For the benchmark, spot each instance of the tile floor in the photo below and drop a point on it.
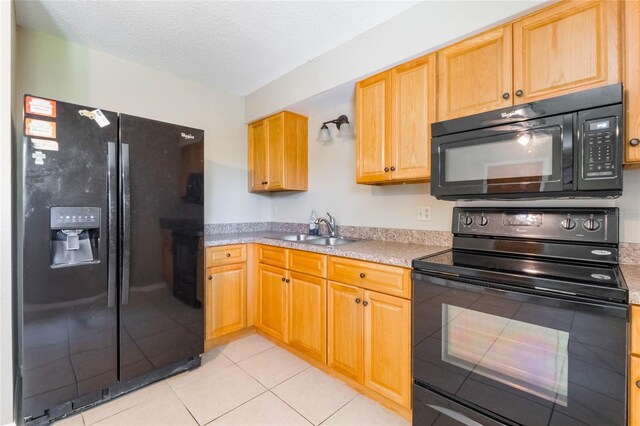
(249, 381)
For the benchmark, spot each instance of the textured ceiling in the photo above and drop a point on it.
(238, 46)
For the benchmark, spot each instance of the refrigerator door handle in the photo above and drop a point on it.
(112, 225)
(126, 223)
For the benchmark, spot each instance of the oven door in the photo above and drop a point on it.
(515, 160)
(530, 359)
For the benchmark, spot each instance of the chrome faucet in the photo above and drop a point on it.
(331, 224)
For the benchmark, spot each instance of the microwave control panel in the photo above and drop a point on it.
(600, 148)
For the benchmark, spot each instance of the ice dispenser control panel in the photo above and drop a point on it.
(75, 217)
(75, 236)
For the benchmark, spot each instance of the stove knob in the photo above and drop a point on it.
(483, 221)
(568, 224)
(466, 220)
(591, 224)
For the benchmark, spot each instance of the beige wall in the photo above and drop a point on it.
(420, 29)
(7, 30)
(332, 184)
(66, 71)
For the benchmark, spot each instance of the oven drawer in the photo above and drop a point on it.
(430, 409)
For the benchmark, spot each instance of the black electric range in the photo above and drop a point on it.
(523, 322)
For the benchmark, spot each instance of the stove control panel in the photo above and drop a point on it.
(577, 224)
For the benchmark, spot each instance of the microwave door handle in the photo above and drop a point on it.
(126, 223)
(571, 152)
(112, 224)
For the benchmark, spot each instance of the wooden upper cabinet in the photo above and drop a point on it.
(373, 118)
(278, 153)
(475, 75)
(413, 103)
(632, 81)
(275, 151)
(574, 45)
(257, 156)
(394, 112)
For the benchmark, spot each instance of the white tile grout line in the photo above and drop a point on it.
(235, 408)
(345, 404)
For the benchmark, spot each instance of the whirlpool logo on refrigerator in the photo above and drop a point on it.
(187, 136)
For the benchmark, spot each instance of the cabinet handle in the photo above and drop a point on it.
(393, 168)
(228, 254)
(638, 383)
(210, 277)
(519, 93)
(505, 95)
(288, 281)
(386, 169)
(283, 279)
(634, 142)
(365, 303)
(362, 275)
(358, 300)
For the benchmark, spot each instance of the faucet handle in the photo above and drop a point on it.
(331, 218)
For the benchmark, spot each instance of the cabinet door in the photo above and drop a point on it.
(632, 80)
(272, 301)
(373, 119)
(275, 147)
(226, 299)
(345, 349)
(475, 75)
(387, 346)
(413, 103)
(572, 46)
(307, 308)
(257, 156)
(634, 390)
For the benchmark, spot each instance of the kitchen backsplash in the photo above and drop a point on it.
(629, 252)
(415, 236)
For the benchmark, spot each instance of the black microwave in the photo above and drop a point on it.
(564, 147)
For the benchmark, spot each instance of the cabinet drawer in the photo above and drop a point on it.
(275, 256)
(308, 263)
(635, 329)
(373, 276)
(226, 255)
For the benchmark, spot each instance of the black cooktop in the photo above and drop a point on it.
(591, 280)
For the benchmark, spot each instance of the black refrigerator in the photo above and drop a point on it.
(111, 293)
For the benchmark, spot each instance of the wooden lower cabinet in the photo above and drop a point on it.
(387, 346)
(307, 310)
(273, 301)
(370, 340)
(345, 330)
(225, 300)
(634, 390)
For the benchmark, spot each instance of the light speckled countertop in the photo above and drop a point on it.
(631, 275)
(387, 252)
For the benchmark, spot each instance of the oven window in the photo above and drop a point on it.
(526, 156)
(529, 357)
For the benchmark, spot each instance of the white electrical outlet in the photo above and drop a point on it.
(424, 213)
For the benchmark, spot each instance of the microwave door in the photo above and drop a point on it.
(519, 160)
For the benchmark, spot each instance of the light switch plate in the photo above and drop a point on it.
(424, 213)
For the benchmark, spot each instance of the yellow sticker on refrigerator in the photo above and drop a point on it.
(40, 128)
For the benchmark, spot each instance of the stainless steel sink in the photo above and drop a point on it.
(298, 237)
(331, 241)
(314, 239)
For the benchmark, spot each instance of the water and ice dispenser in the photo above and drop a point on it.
(75, 236)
